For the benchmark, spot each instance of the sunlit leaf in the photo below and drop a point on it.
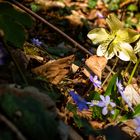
(96, 64)
(55, 71)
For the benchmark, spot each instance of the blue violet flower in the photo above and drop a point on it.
(36, 42)
(121, 91)
(80, 102)
(106, 104)
(95, 81)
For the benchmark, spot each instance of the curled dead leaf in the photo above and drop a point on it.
(96, 64)
(55, 71)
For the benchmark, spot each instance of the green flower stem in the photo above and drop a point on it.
(133, 71)
(116, 61)
(127, 68)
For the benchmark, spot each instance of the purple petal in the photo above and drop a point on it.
(107, 100)
(104, 111)
(97, 84)
(36, 42)
(82, 106)
(80, 102)
(90, 103)
(102, 98)
(91, 78)
(99, 15)
(138, 129)
(137, 120)
(112, 104)
(126, 100)
(95, 78)
(119, 85)
(101, 104)
(113, 112)
(95, 81)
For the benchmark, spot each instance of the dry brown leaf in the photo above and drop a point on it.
(96, 64)
(96, 124)
(86, 72)
(74, 68)
(56, 70)
(129, 127)
(91, 137)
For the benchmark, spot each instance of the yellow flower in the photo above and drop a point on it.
(116, 41)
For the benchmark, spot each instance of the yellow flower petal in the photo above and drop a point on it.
(102, 51)
(98, 35)
(114, 23)
(127, 35)
(125, 52)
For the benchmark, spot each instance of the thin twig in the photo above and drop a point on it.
(76, 44)
(12, 127)
(52, 26)
(117, 59)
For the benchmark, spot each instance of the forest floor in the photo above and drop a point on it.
(62, 63)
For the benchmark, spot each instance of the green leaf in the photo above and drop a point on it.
(93, 95)
(78, 121)
(115, 115)
(13, 32)
(111, 85)
(87, 129)
(97, 113)
(71, 108)
(29, 116)
(35, 7)
(16, 15)
(92, 3)
(132, 7)
(137, 111)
